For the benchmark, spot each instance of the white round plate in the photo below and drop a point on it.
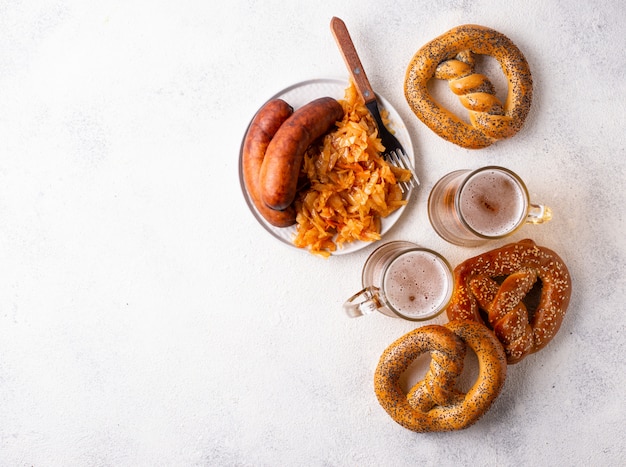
(300, 94)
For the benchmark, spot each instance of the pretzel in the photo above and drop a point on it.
(434, 404)
(477, 292)
(450, 57)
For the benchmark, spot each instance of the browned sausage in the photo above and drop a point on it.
(262, 129)
(283, 159)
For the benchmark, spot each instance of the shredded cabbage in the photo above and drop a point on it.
(350, 186)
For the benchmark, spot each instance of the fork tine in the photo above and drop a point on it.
(393, 158)
(399, 158)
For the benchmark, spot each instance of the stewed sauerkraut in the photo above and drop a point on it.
(351, 186)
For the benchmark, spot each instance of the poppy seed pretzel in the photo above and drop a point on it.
(434, 404)
(522, 263)
(450, 57)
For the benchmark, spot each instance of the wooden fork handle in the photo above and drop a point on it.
(348, 52)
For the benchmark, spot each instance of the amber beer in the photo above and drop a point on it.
(416, 284)
(468, 208)
(403, 280)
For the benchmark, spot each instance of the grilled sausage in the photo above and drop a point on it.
(262, 129)
(283, 159)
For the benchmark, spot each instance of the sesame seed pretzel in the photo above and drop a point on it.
(523, 263)
(434, 404)
(450, 57)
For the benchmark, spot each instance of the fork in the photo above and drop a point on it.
(394, 152)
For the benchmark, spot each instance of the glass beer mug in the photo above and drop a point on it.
(468, 208)
(402, 280)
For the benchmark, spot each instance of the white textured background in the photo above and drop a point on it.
(146, 319)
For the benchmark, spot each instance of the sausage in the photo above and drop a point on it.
(283, 159)
(262, 129)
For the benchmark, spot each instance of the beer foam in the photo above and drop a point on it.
(417, 283)
(493, 203)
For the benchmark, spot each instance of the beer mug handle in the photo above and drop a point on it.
(362, 303)
(538, 214)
